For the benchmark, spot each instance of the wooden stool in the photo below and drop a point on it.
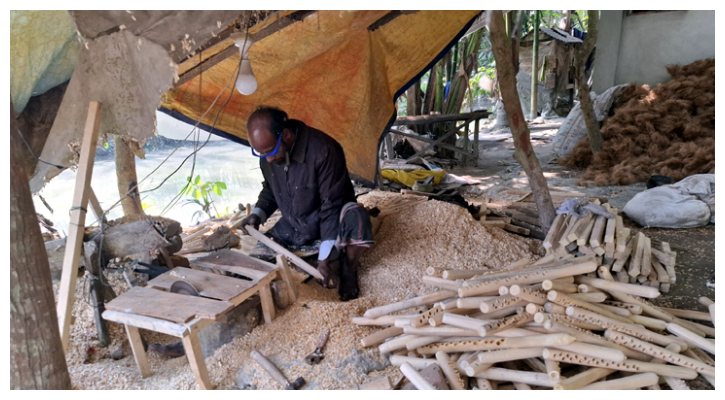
(155, 309)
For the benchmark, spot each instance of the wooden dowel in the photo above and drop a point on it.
(453, 274)
(463, 321)
(496, 356)
(553, 369)
(559, 286)
(508, 375)
(449, 371)
(529, 277)
(622, 312)
(474, 367)
(396, 344)
(415, 377)
(440, 331)
(484, 384)
(705, 301)
(626, 365)
(569, 301)
(583, 379)
(557, 339)
(656, 312)
(555, 227)
(472, 302)
(632, 308)
(385, 320)
(635, 290)
(699, 315)
(586, 336)
(659, 352)
(627, 383)
(416, 342)
(405, 304)
(440, 282)
(425, 317)
(649, 323)
(553, 308)
(692, 338)
(434, 271)
(500, 303)
(380, 336)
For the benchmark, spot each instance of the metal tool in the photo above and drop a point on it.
(275, 373)
(317, 355)
(183, 288)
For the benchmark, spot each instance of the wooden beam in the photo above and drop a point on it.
(76, 229)
(428, 119)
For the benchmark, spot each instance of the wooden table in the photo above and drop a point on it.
(156, 309)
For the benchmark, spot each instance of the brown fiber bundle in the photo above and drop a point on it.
(669, 130)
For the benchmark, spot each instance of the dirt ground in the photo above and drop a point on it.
(318, 309)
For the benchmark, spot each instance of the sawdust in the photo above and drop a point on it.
(430, 233)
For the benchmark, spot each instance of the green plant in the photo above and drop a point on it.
(201, 193)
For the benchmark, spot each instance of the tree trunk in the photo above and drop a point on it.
(524, 153)
(429, 93)
(36, 352)
(535, 68)
(516, 40)
(126, 176)
(580, 59)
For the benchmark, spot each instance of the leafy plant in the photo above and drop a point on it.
(201, 193)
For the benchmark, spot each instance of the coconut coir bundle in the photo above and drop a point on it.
(669, 130)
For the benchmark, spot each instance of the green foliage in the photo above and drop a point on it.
(201, 193)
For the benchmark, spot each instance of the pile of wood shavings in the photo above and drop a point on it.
(428, 234)
(432, 234)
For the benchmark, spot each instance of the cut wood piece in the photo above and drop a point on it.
(268, 310)
(493, 224)
(662, 275)
(586, 232)
(610, 230)
(626, 365)
(278, 248)
(74, 242)
(555, 226)
(192, 348)
(667, 259)
(595, 239)
(139, 354)
(579, 228)
(208, 285)
(440, 282)
(622, 234)
(517, 229)
(646, 268)
(508, 375)
(172, 307)
(692, 338)
(563, 241)
(657, 312)
(453, 274)
(635, 265)
(284, 271)
(250, 273)
(450, 372)
(505, 220)
(622, 257)
(609, 251)
(543, 340)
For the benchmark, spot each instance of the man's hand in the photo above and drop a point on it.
(328, 269)
(251, 219)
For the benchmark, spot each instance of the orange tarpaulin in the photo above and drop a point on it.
(330, 71)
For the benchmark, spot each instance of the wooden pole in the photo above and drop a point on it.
(580, 58)
(524, 153)
(126, 177)
(535, 68)
(76, 229)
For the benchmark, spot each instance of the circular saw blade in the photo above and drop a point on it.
(182, 287)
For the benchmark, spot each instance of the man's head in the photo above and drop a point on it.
(267, 129)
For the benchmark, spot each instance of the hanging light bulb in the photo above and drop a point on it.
(246, 82)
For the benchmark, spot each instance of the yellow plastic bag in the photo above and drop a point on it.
(408, 178)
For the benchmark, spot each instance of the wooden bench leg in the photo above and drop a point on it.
(286, 276)
(196, 360)
(265, 294)
(139, 354)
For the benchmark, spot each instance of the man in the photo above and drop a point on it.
(306, 178)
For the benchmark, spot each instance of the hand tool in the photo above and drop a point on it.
(317, 355)
(275, 373)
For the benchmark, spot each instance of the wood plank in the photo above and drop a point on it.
(235, 257)
(174, 307)
(517, 229)
(493, 224)
(279, 249)
(192, 348)
(621, 233)
(148, 323)
(570, 226)
(243, 271)
(76, 229)
(583, 236)
(139, 354)
(662, 275)
(622, 257)
(209, 285)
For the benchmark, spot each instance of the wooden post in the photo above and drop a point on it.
(524, 153)
(535, 68)
(127, 181)
(76, 229)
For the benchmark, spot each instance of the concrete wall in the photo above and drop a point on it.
(636, 48)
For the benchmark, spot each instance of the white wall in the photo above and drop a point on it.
(636, 48)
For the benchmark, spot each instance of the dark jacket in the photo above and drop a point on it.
(310, 193)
